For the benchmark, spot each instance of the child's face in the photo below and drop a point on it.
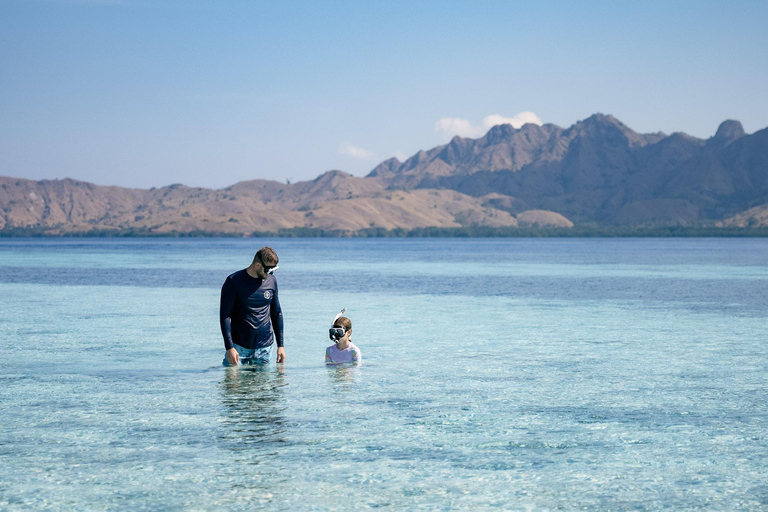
(345, 339)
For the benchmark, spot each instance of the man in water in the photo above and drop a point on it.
(250, 312)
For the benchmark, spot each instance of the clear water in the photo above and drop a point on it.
(518, 374)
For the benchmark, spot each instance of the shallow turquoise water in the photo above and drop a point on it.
(518, 374)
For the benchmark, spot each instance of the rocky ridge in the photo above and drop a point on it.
(597, 171)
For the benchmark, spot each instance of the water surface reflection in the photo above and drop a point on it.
(253, 426)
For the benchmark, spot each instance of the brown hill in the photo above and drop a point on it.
(752, 218)
(597, 171)
(600, 171)
(335, 201)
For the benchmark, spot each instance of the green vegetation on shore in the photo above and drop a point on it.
(580, 231)
(584, 231)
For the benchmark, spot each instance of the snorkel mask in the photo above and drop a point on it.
(336, 333)
(269, 270)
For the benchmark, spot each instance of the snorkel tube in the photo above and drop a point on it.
(341, 313)
(336, 333)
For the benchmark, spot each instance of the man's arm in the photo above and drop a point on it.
(226, 306)
(276, 315)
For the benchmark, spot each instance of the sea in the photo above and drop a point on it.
(509, 374)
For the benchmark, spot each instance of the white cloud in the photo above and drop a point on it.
(517, 121)
(349, 150)
(400, 155)
(454, 126)
(451, 126)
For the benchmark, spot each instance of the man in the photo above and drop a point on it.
(250, 312)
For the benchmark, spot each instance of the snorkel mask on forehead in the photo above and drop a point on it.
(336, 333)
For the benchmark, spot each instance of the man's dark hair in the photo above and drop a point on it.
(266, 256)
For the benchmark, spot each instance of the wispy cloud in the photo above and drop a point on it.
(451, 126)
(348, 149)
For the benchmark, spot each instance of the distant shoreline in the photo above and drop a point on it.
(427, 232)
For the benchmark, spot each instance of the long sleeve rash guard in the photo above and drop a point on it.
(250, 311)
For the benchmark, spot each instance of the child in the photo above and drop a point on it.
(344, 351)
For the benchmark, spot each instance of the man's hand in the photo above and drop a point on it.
(233, 357)
(280, 354)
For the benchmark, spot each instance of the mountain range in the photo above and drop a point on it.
(596, 172)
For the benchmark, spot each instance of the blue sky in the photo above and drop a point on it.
(147, 93)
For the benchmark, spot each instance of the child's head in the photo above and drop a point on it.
(346, 324)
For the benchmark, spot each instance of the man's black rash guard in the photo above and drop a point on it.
(250, 311)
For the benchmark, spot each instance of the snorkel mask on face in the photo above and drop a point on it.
(269, 270)
(336, 333)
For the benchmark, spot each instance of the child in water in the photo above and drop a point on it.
(343, 351)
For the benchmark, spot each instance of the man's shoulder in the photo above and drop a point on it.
(234, 280)
(235, 276)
